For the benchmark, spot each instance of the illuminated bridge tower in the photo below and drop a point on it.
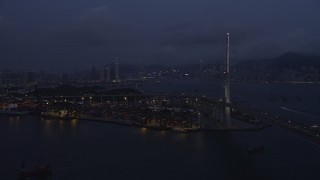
(227, 83)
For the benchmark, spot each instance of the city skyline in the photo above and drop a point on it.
(180, 89)
(63, 36)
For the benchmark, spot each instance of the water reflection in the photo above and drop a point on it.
(53, 124)
(143, 131)
(163, 133)
(180, 137)
(199, 146)
(15, 120)
(48, 127)
(61, 125)
(74, 123)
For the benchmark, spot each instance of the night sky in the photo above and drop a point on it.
(64, 35)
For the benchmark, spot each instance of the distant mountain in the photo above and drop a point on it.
(288, 67)
(289, 60)
(158, 68)
(127, 68)
(293, 60)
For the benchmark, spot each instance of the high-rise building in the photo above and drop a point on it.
(9, 78)
(102, 74)
(201, 65)
(108, 73)
(116, 71)
(105, 75)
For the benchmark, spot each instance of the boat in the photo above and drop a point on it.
(255, 150)
(33, 172)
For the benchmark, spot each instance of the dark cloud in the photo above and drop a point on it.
(94, 28)
(96, 13)
(188, 36)
(67, 35)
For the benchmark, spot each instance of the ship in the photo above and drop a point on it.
(34, 171)
(255, 150)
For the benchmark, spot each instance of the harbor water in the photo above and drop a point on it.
(78, 149)
(93, 150)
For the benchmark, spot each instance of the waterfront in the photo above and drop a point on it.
(92, 150)
(299, 102)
